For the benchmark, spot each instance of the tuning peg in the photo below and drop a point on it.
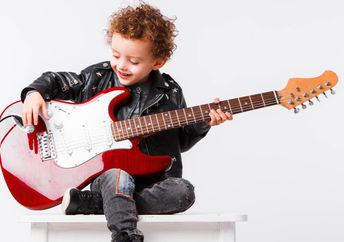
(296, 110)
(310, 102)
(325, 94)
(332, 91)
(317, 98)
(303, 106)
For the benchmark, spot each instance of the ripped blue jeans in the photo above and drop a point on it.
(122, 204)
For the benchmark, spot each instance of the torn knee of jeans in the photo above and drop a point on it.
(125, 184)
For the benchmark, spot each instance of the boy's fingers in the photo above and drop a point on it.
(216, 100)
(229, 116)
(216, 116)
(24, 118)
(29, 118)
(211, 121)
(35, 115)
(45, 111)
(222, 114)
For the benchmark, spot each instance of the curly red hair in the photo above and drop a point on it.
(145, 22)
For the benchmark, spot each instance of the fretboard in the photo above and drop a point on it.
(135, 127)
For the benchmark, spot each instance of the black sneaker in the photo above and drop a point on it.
(124, 237)
(136, 238)
(82, 202)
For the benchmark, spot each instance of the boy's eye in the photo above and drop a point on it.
(134, 62)
(116, 56)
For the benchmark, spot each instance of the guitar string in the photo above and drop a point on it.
(95, 140)
(176, 121)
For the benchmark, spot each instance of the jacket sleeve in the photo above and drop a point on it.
(57, 85)
(189, 135)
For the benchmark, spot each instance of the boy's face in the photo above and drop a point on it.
(132, 59)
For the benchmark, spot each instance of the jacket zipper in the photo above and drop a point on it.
(74, 81)
(65, 86)
(155, 102)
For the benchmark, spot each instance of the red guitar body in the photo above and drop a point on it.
(40, 184)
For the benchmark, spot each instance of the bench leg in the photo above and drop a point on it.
(226, 232)
(39, 232)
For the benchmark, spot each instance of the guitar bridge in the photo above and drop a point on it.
(46, 146)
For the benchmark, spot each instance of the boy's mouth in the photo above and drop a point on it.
(123, 75)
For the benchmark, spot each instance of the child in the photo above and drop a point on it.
(142, 41)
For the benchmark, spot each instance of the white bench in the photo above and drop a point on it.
(156, 228)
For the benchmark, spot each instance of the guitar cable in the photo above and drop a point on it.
(19, 122)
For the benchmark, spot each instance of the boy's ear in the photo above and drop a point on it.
(160, 62)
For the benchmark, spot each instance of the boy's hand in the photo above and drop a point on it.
(33, 103)
(218, 117)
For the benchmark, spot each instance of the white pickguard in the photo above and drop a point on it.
(82, 131)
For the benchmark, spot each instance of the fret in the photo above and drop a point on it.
(205, 111)
(251, 102)
(174, 118)
(140, 126)
(244, 101)
(200, 111)
(186, 118)
(144, 118)
(150, 117)
(257, 101)
(154, 123)
(276, 98)
(193, 114)
(269, 98)
(124, 129)
(133, 127)
(137, 132)
(181, 116)
(128, 121)
(240, 105)
(189, 115)
(121, 129)
(166, 120)
(163, 119)
(262, 99)
(177, 117)
(236, 108)
(169, 114)
(157, 121)
(229, 105)
(127, 125)
(117, 129)
(114, 134)
(200, 107)
(223, 106)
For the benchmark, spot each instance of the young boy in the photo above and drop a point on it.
(142, 41)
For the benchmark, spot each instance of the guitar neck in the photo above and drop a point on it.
(135, 127)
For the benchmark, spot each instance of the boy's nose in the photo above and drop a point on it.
(122, 65)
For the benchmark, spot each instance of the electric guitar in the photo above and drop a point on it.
(40, 162)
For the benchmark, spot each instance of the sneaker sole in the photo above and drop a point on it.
(66, 200)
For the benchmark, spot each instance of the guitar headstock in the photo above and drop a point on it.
(300, 90)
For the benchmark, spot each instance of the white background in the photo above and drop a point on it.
(284, 170)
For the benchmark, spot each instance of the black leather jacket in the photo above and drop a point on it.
(160, 94)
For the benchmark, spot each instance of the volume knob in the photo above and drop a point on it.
(58, 124)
